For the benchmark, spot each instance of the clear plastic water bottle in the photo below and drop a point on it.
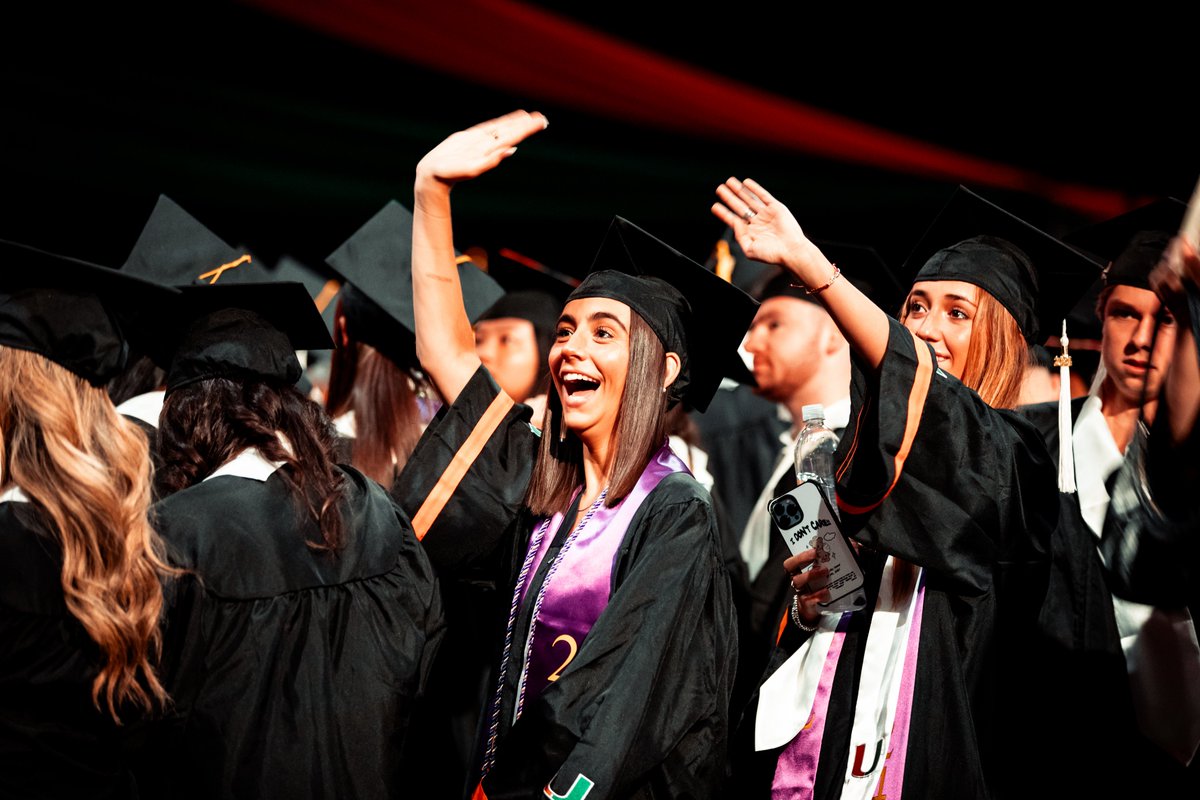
(815, 447)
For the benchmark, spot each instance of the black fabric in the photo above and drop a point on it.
(694, 313)
(377, 261)
(233, 343)
(995, 265)
(1132, 267)
(75, 313)
(975, 507)
(642, 710)
(294, 672)
(176, 249)
(53, 741)
(740, 432)
(1083, 663)
(1034, 275)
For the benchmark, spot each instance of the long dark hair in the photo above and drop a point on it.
(206, 423)
(387, 416)
(641, 429)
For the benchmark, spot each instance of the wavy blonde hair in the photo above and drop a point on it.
(87, 470)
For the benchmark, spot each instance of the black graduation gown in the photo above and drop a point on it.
(53, 740)
(769, 599)
(1085, 683)
(971, 499)
(642, 710)
(294, 672)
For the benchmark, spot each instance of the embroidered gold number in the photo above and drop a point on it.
(570, 640)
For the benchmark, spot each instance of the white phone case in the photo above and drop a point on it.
(804, 519)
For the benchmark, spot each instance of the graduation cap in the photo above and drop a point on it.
(243, 330)
(176, 249)
(322, 285)
(860, 264)
(377, 298)
(1131, 245)
(1033, 274)
(694, 313)
(72, 312)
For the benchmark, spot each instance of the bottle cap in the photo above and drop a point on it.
(813, 411)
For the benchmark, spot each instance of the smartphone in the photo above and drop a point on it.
(806, 522)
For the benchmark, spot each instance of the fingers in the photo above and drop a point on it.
(511, 128)
(811, 580)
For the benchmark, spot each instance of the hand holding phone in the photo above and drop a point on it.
(805, 521)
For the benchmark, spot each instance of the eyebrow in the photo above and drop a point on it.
(924, 294)
(595, 315)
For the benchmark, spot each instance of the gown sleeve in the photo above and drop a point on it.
(646, 700)
(967, 486)
(464, 484)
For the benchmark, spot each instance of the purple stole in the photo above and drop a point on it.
(796, 768)
(579, 580)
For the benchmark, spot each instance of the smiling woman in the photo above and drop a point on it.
(617, 661)
(952, 499)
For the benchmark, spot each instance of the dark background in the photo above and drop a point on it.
(286, 139)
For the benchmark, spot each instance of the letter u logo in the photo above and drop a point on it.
(859, 752)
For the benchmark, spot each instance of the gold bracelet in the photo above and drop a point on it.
(837, 273)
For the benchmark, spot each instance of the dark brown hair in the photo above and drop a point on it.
(641, 428)
(206, 423)
(387, 418)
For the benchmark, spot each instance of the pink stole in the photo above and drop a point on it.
(796, 766)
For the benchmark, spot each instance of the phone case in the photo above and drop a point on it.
(804, 519)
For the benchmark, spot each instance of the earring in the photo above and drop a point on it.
(562, 433)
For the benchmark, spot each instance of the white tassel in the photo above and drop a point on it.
(1066, 452)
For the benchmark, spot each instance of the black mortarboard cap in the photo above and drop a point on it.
(244, 330)
(176, 249)
(72, 312)
(376, 264)
(695, 313)
(1132, 243)
(1130, 246)
(1034, 275)
(323, 285)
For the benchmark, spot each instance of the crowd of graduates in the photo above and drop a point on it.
(425, 529)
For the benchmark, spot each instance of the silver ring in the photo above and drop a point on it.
(748, 215)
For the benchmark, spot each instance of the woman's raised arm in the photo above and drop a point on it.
(445, 340)
(767, 232)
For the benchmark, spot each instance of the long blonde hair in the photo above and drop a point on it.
(997, 355)
(87, 470)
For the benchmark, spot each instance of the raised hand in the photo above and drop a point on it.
(472, 152)
(767, 231)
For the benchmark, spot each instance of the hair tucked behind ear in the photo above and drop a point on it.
(87, 471)
(207, 423)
